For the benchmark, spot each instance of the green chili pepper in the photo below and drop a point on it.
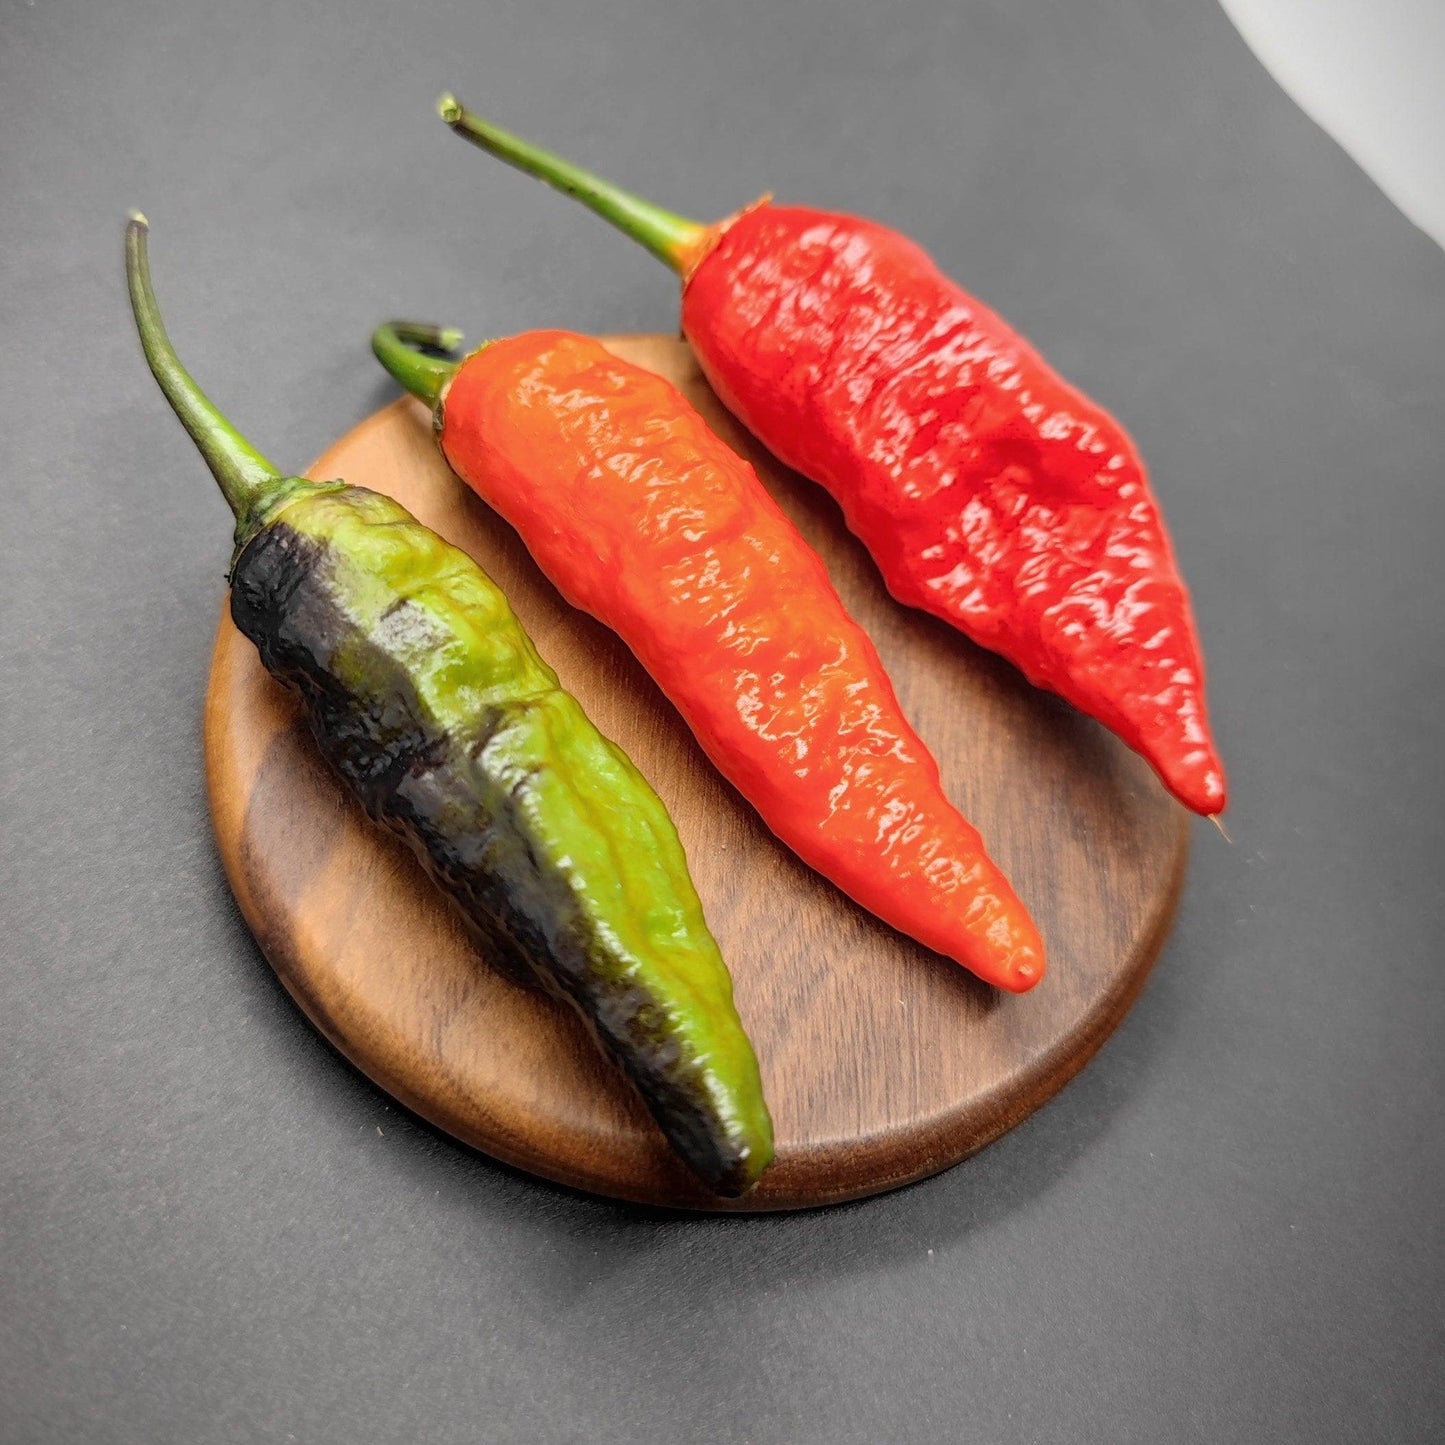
(428, 698)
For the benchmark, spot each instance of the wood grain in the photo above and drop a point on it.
(882, 1062)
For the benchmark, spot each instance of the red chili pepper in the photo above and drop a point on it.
(644, 518)
(990, 492)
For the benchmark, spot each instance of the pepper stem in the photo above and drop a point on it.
(671, 238)
(395, 344)
(250, 482)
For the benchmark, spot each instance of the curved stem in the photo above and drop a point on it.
(250, 482)
(395, 343)
(670, 237)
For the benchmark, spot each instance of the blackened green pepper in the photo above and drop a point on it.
(428, 698)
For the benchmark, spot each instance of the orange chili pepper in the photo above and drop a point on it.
(645, 519)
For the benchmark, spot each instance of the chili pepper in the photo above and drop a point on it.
(990, 492)
(426, 696)
(644, 518)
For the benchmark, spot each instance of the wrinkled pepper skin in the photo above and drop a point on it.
(426, 696)
(644, 518)
(989, 491)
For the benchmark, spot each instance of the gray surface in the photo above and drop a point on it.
(1229, 1228)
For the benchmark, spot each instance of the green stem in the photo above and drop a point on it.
(250, 482)
(395, 346)
(668, 236)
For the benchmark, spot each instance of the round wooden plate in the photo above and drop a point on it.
(882, 1061)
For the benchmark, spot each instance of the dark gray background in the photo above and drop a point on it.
(1229, 1228)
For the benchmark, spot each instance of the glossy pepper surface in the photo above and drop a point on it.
(644, 518)
(990, 492)
(426, 696)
